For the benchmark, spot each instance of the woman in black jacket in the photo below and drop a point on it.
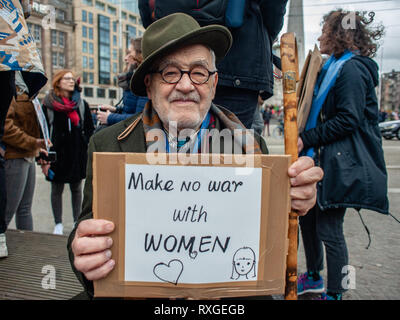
(70, 125)
(343, 136)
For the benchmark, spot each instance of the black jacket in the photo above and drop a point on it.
(248, 64)
(348, 141)
(70, 143)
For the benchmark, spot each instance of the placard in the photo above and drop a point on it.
(193, 231)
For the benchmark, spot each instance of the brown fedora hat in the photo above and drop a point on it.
(170, 32)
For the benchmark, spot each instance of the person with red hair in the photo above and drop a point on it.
(70, 125)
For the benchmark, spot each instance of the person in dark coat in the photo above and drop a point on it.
(343, 136)
(70, 125)
(131, 103)
(247, 68)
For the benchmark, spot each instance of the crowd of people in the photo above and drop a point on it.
(185, 71)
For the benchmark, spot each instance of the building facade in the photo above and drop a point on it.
(102, 33)
(51, 24)
(89, 37)
(390, 91)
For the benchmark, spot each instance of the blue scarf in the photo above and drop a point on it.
(326, 80)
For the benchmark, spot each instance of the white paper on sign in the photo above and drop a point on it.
(192, 225)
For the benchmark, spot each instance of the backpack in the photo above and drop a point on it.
(204, 11)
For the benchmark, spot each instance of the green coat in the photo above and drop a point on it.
(106, 140)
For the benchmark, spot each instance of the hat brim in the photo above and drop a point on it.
(216, 37)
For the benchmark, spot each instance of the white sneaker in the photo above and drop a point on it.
(3, 246)
(58, 229)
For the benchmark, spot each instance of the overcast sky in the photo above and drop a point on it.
(387, 12)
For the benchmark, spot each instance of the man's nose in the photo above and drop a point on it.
(185, 84)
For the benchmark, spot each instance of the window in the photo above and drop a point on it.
(104, 49)
(84, 16)
(111, 10)
(61, 14)
(115, 26)
(115, 54)
(90, 33)
(101, 93)
(115, 67)
(91, 49)
(112, 94)
(114, 41)
(85, 77)
(132, 19)
(91, 63)
(54, 38)
(90, 17)
(84, 32)
(84, 62)
(88, 92)
(84, 47)
(54, 59)
(100, 5)
(91, 77)
(36, 32)
(131, 34)
(61, 60)
(61, 39)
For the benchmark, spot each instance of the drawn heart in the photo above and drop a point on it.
(169, 272)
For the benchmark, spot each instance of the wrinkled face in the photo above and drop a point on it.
(184, 102)
(67, 82)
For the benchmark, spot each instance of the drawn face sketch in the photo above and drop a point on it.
(243, 262)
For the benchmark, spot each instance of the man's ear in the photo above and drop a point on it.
(215, 84)
(147, 82)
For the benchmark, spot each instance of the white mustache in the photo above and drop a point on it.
(192, 96)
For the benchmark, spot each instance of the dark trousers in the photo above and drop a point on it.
(242, 102)
(7, 85)
(56, 200)
(325, 227)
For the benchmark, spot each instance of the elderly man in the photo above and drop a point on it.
(178, 75)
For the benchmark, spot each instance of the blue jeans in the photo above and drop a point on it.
(325, 227)
(242, 102)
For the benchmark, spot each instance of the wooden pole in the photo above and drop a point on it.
(290, 71)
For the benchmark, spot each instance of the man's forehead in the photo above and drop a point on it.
(188, 55)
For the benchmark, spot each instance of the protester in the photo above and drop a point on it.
(70, 125)
(267, 115)
(247, 68)
(342, 135)
(131, 103)
(15, 55)
(178, 74)
(23, 143)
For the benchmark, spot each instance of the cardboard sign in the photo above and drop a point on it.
(193, 231)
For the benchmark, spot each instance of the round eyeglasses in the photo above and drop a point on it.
(172, 74)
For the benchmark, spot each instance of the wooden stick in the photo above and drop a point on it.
(290, 70)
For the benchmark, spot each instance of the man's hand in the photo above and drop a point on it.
(102, 116)
(91, 248)
(303, 179)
